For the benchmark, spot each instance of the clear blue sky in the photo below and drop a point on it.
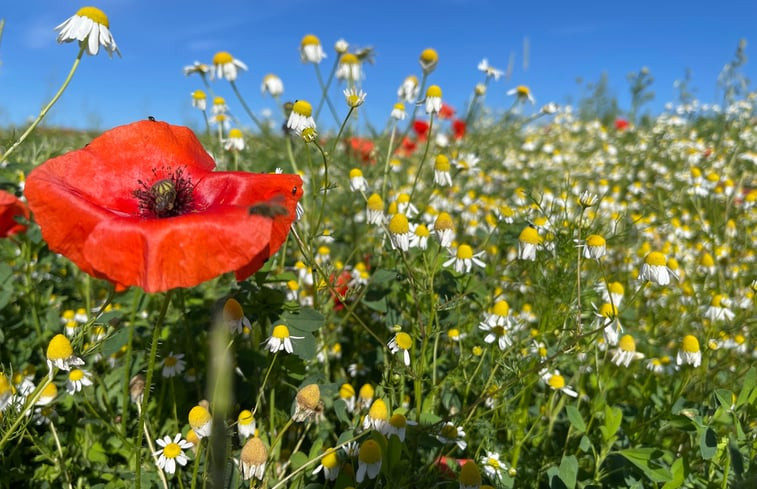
(158, 37)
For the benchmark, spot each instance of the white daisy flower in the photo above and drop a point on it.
(172, 452)
(89, 25)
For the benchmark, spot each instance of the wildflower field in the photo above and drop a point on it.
(531, 296)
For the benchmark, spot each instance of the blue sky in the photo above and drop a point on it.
(157, 38)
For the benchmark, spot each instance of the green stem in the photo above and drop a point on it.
(127, 361)
(148, 383)
(262, 386)
(325, 89)
(425, 154)
(388, 159)
(47, 107)
(261, 127)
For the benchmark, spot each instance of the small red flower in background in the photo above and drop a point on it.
(362, 148)
(141, 205)
(407, 147)
(621, 124)
(421, 129)
(458, 129)
(447, 112)
(341, 285)
(10, 208)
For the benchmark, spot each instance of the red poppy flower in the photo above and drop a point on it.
(407, 147)
(10, 208)
(341, 285)
(447, 112)
(362, 148)
(141, 205)
(421, 129)
(621, 124)
(458, 128)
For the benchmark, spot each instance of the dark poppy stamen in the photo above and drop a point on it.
(166, 197)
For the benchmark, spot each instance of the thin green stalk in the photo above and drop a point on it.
(388, 159)
(127, 361)
(196, 468)
(148, 383)
(325, 90)
(47, 107)
(260, 126)
(30, 402)
(261, 389)
(341, 130)
(423, 159)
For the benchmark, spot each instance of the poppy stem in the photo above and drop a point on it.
(148, 383)
(47, 107)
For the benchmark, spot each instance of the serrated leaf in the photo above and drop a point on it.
(575, 418)
(97, 454)
(708, 443)
(642, 458)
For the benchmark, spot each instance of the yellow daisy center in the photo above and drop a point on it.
(375, 203)
(50, 391)
(219, 101)
(222, 58)
(330, 460)
(356, 173)
(235, 133)
(399, 106)
(75, 375)
(404, 341)
(366, 392)
(198, 416)
(172, 450)
(95, 14)
(303, 108)
(718, 299)
(441, 163)
(616, 288)
(428, 56)
(443, 221)
(556, 381)
(245, 417)
(398, 420)
(596, 240)
(379, 410)
(346, 391)
(59, 348)
(501, 308)
(655, 258)
(310, 40)
(399, 224)
(608, 310)
(530, 236)
(449, 431)
(627, 343)
(464, 252)
(434, 91)
(5, 386)
(523, 90)
(370, 452)
(280, 332)
(422, 231)
(690, 344)
(348, 59)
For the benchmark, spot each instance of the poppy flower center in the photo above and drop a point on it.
(167, 197)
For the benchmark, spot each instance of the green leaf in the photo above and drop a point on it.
(298, 459)
(569, 471)
(382, 276)
(678, 471)
(344, 437)
(737, 459)
(708, 443)
(306, 319)
(585, 444)
(750, 381)
(574, 416)
(613, 417)
(724, 397)
(642, 458)
(115, 341)
(340, 409)
(97, 454)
